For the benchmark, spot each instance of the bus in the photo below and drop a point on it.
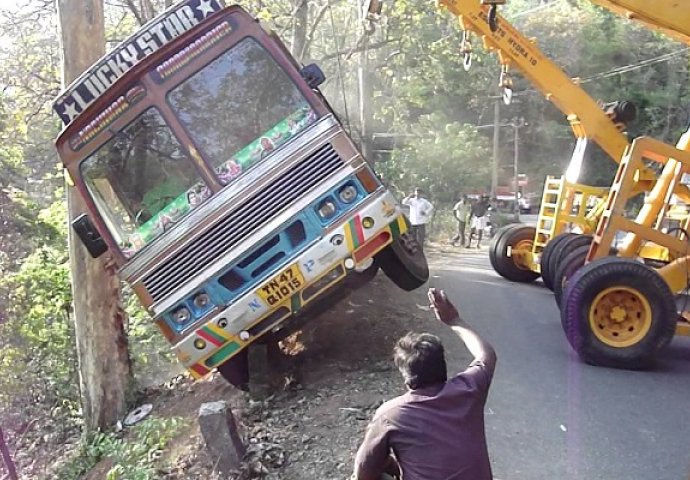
(223, 186)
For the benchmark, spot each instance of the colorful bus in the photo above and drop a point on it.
(223, 185)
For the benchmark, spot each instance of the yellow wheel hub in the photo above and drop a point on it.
(520, 253)
(620, 316)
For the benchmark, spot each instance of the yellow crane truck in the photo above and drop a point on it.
(623, 310)
(620, 309)
(519, 252)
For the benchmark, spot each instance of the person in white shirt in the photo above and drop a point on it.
(420, 213)
(462, 211)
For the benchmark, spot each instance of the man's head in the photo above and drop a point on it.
(420, 359)
(418, 192)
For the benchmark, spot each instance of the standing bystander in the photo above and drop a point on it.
(478, 220)
(461, 210)
(420, 213)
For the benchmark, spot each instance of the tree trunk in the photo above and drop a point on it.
(7, 458)
(299, 31)
(104, 367)
(365, 89)
(147, 10)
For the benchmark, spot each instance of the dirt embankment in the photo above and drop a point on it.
(308, 424)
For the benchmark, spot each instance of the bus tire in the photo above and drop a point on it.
(235, 370)
(404, 262)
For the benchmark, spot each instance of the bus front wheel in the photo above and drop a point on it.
(403, 261)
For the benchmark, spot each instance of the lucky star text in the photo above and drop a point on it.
(160, 31)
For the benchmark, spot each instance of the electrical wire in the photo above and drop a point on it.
(536, 9)
(618, 70)
(630, 68)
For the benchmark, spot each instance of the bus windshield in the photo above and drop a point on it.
(142, 182)
(239, 108)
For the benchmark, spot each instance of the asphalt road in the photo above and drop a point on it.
(549, 416)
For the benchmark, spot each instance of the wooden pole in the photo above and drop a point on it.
(104, 367)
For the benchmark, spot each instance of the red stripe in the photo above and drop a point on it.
(209, 338)
(200, 369)
(358, 227)
(374, 245)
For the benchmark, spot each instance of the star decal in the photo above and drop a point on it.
(71, 110)
(205, 8)
(388, 208)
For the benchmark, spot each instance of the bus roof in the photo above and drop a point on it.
(160, 31)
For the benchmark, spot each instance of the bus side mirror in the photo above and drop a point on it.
(89, 236)
(313, 75)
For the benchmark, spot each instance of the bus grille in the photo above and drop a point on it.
(241, 222)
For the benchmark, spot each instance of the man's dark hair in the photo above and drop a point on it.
(420, 359)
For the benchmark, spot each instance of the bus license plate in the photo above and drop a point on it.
(282, 286)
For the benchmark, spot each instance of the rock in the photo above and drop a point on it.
(221, 435)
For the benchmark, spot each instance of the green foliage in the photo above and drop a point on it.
(133, 457)
(38, 360)
(148, 348)
(444, 158)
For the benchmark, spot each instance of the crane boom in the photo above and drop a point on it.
(670, 17)
(586, 116)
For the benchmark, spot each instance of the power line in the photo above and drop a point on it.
(620, 70)
(536, 9)
(630, 68)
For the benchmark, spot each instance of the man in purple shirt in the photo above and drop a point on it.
(436, 430)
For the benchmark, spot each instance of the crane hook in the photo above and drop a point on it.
(493, 18)
(466, 49)
(506, 83)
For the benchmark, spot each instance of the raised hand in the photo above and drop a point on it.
(444, 310)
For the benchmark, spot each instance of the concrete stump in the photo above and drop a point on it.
(222, 436)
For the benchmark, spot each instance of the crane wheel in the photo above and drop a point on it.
(567, 267)
(618, 313)
(563, 249)
(546, 273)
(493, 245)
(507, 259)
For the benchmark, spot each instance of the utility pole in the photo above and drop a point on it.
(517, 123)
(494, 163)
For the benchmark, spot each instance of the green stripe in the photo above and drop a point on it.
(214, 335)
(353, 231)
(222, 354)
(395, 229)
(295, 302)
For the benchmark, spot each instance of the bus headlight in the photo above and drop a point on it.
(182, 315)
(327, 209)
(201, 300)
(347, 194)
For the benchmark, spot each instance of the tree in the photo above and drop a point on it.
(98, 314)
